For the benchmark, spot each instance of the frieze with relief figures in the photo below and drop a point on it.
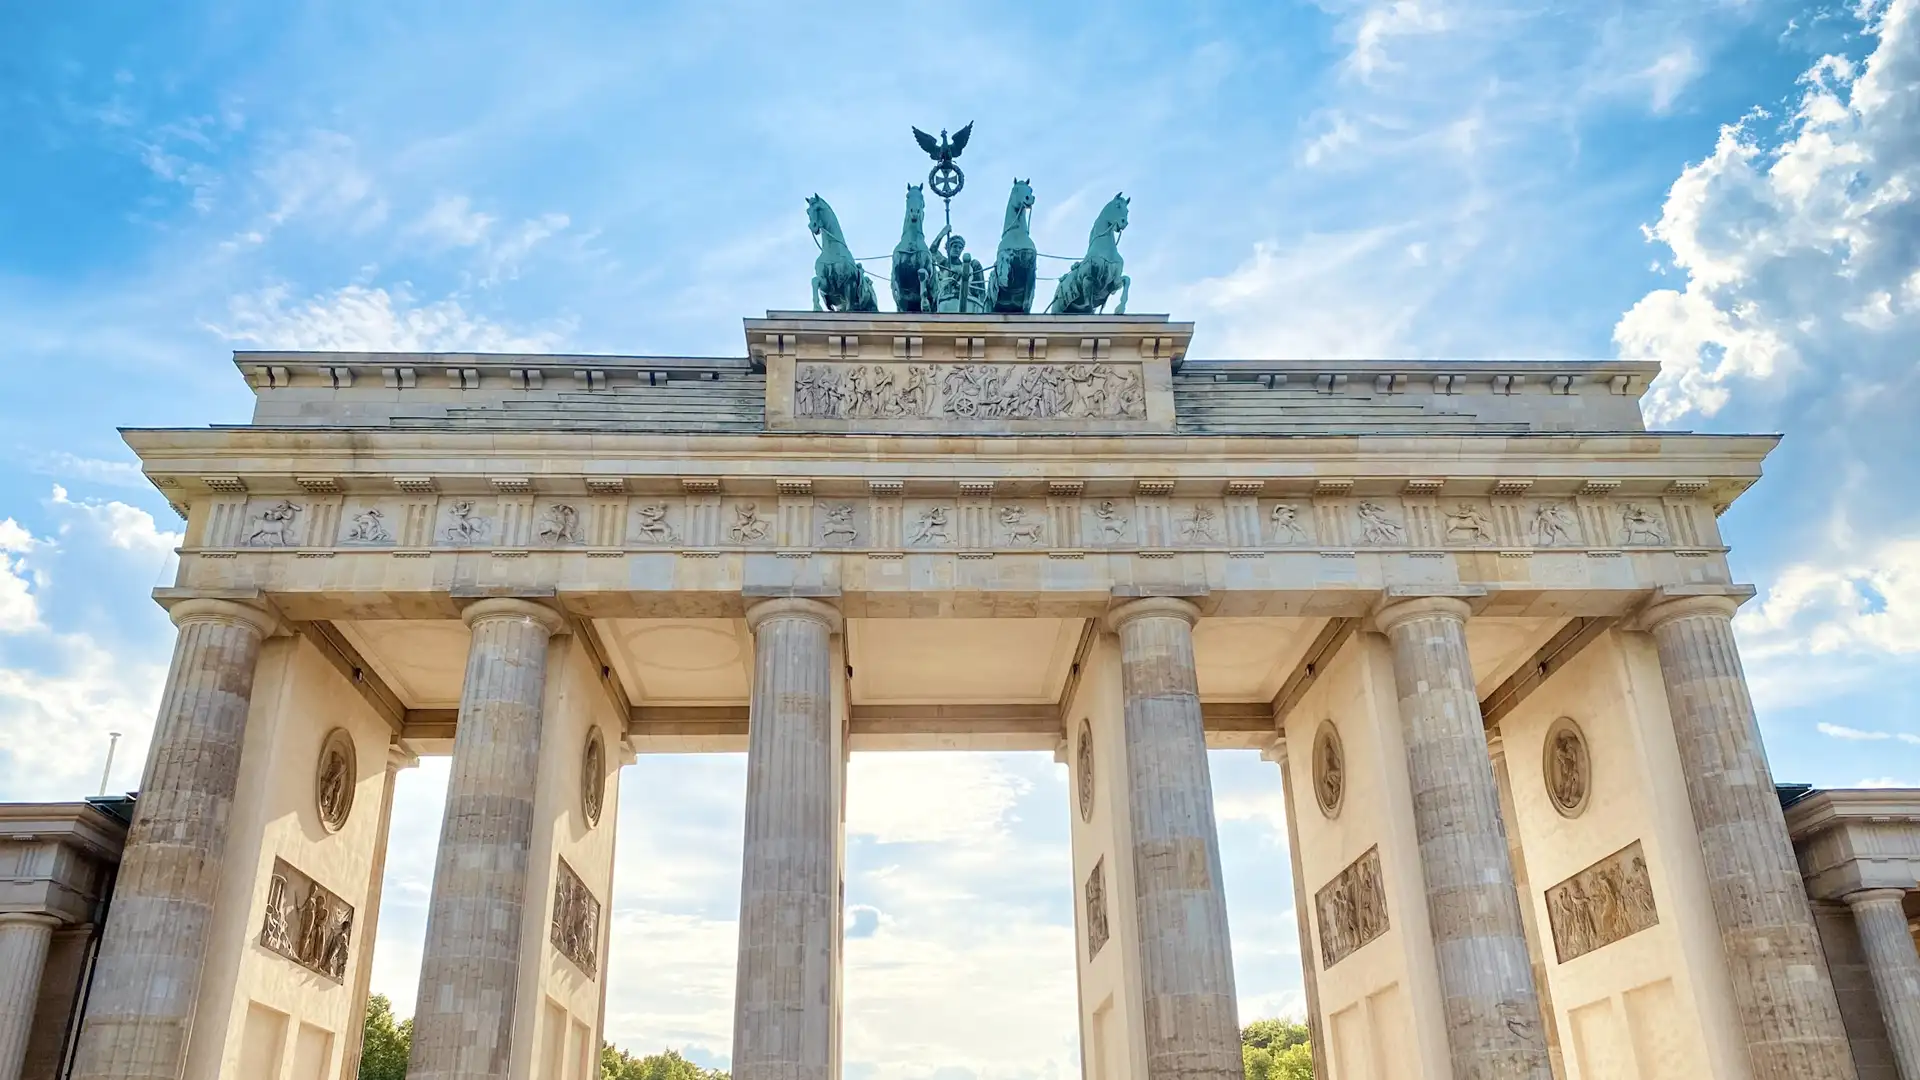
(967, 522)
(306, 923)
(1092, 391)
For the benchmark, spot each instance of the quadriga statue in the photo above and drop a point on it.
(1010, 284)
(838, 282)
(912, 262)
(1086, 287)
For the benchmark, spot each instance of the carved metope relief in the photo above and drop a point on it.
(276, 525)
(561, 526)
(1641, 526)
(334, 777)
(593, 776)
(1329, 769)
(969, 391)
(369, 526)
(1567, 767)
(576, 920)
(1352, 909)
(1083, 764)
(1096, 908)
(1598, 906)
(307, 923)
(466, 524)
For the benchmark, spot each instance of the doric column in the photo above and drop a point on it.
(1894, 965)
(1781, 985)
(23, 957)
(147, 979)
(369, 929)
(1479, 940)
(1536, 951)
(783, 1020)
(1302, 917)
(470, 968)
(1186, 959)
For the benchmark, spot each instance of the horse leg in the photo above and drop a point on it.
(816, 292)
(1125, 284)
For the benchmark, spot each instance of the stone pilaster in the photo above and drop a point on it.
(147, 979)
(783, 1027)
(369, 928)
(1302, 916)
(470, 968)
(1479, 938)
(1186, 959)
(23, 957)
(1894, 965)
(1781, 985)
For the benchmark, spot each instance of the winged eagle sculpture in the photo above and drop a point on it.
(941, 150)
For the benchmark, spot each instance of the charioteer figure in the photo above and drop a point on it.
(959, 281)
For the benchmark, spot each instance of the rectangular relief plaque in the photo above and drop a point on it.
(1352, 909)
(1598, 906)
(1096, 909)
(576, 920)
(306, 923)
(1089, 391)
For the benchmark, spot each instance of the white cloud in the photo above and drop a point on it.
(19, 609)
(1868, 603)
(1880, 782)
(1669, 75)
(1798, 251)
(93, 470)
(1841, 731)
(452, 222)
(1380, 23)
(128, 528)
(55, 716)
(931, 798)
(321, 177)
(359, 318)
(503, 259)
(1350, 294)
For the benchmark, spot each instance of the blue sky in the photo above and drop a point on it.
(1728, 186)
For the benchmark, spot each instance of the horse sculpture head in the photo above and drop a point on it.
(916, 205)
(1021, 197)
(820, 217)
(1112, 219)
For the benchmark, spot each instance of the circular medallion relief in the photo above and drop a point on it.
(593, 776)
(1329, 769)
(1083, 763)
(333, 780)
(1567, 767)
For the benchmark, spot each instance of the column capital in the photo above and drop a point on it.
(1872, 896)
(1672, 602)
(226, 612)
(793, 607)
(1394, 609)
(1276, 752)
(399, 758)
(28, 918)
(1167, 607)
(512, 607)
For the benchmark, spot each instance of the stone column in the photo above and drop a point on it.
(24, 939)
(369, 928)
(1302, 916)
(470, 968)
(783, 1022)
(1479, 940)
(1536, 951)
(1894, 965)
(147, 979)
(1186, 959)
(1781, 985)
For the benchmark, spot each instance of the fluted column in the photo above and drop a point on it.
(1302, 916)
(369, 928)
(23, 958)
(1894, 965)
(783, 1020)
(1186, 958)
(470, 968)
(147, 980)
(1781, 985)
(1479, 940)
(1536, 949)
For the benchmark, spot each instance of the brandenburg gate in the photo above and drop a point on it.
(1477, 616)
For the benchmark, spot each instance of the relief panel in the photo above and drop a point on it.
(1096, 899)
(749, 522)
(655, 522)
(466, 522)
(1598, 906)
(370, 523)
(842, 523)
(1351, 909)
(829, 391)
(576, 920)
(929, 523)
(1109, 523)
(306, 923)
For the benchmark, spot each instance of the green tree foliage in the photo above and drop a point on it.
(1276, 1050)
(617, 1064)
(383, 1054)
